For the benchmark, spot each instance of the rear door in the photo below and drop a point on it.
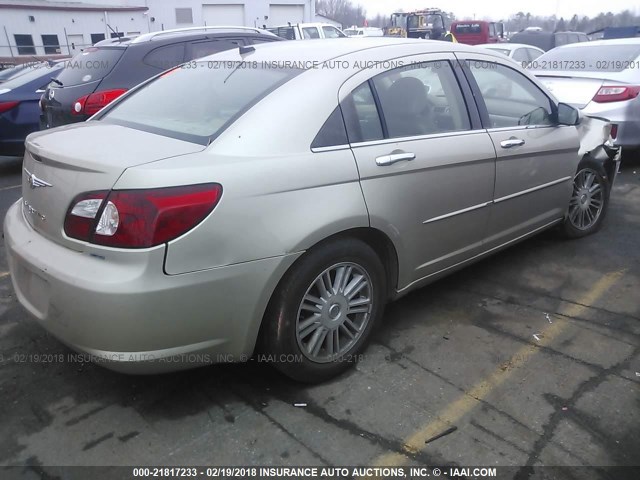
(536, 159)
(426, 167)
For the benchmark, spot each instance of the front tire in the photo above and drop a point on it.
(589, 200)
(321, 316)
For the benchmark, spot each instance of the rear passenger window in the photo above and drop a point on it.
(421, 99)
(510, 97)
(361, 115)
(332, 132)
(165, 57)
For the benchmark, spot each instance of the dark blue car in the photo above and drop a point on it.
(19, 105)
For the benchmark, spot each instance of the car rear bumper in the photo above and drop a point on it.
(129, 315)
(626, 115)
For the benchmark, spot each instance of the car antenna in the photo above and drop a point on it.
(116, 32)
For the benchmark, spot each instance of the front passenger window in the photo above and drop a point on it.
(510, 97)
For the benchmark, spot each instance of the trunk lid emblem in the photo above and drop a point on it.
(35, 182)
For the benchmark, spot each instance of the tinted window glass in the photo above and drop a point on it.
(265, 39)
(202, 49)
(90, 65)
(25, 44)
(421, 99)
(50, 43)
(511, 98)
(41, 71)
(165, 57)
(361, 115)
(196, 104)
(592, 58)
(310, 32)
(464, 28)
(332, 132)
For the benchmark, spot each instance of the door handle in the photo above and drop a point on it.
(392, 158)
(512, 142)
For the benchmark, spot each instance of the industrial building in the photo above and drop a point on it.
(42, 27)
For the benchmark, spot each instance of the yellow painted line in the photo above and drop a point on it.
(9, 188)
(470, 399)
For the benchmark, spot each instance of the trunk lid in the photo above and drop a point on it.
(60, 164)
(575, 90)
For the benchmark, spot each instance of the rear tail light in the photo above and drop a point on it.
(140, 218)
(6, 106)
(616, 93)
(93, 103)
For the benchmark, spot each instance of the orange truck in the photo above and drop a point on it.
(475, 32)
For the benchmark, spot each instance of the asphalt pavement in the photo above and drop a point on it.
(530, 357)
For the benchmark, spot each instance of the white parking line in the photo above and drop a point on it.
(9, 188)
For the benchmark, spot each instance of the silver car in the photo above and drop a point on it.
(601, 78)
(280, 195)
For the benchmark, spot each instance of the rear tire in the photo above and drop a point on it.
(589, 200)
(321, 317)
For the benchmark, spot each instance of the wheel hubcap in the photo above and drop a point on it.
(334, 312)
(587, 200)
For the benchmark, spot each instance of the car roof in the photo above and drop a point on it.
(190, 31)
(322, 50)
(610, 42)
(169, 36)
(508, 46)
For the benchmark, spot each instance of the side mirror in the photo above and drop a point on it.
(567, 115)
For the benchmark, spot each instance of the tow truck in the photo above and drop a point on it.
(428, 23)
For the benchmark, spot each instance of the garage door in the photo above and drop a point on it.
(281, 14)
(223, 14)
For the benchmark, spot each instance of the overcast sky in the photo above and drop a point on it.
(500, 9)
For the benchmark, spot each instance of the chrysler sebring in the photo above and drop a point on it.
(274, 198)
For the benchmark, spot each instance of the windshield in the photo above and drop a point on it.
(398, 19)
(196, 104)
(90, 65)
(592, 58)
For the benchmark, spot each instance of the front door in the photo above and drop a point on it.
(536, 158)
(427, 174)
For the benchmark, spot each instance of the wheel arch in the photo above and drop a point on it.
(379, 242)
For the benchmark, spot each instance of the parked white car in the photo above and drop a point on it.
(519, 52)
(307, 31)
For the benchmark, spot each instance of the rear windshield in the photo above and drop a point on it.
(42, 71)
(465, 28)
(592, 58)
(197, 104)
(541, 40)
(504, 51)
(90, 65)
